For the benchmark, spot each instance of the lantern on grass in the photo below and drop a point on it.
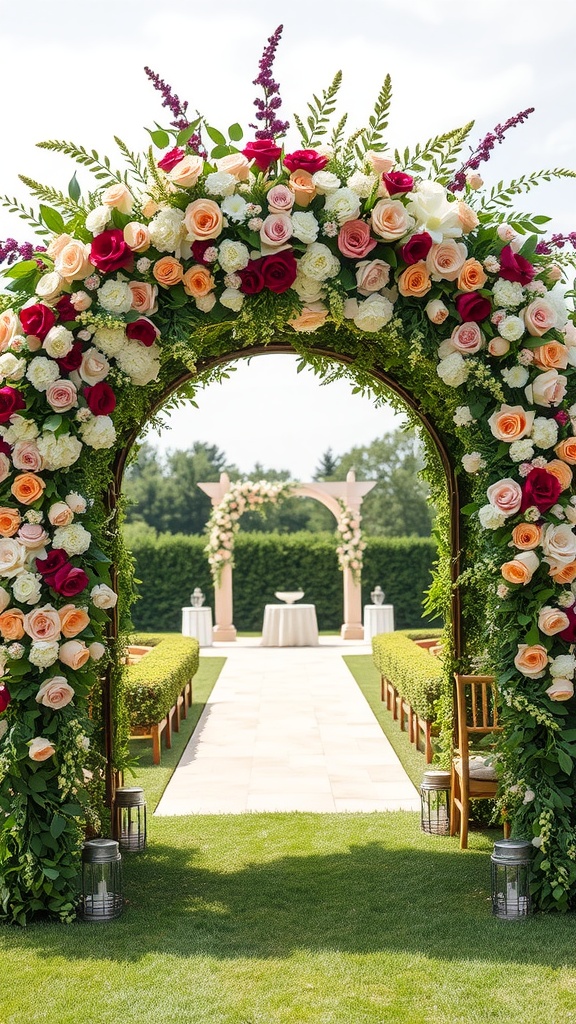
(435, 802)
(511, 862)
(130, 819)
(101, 898)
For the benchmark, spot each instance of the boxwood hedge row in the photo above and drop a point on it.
(154, 684)
(415, 674)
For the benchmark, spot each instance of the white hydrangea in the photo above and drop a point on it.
(167, 230)
(544, 432)
(516, 376)
(522, 450)
(325, 182)
(305, 227)
(220, 183)
(58, 452)
(463, 416)
(371, 315)
(11, 368)
(233, 255)
(453, 370)
(511, 328)
(97, 220)
(58, 342)
(73, 538)
(232, 299)
(109, 340)
(563, 666)
(20, 429)
(42, 372)
(234, 207)
(43, 653)
(140, 363)
(490, 518)
(98, 432)
(362, 184)
(343, 204)
(319, 263)
(473, 462)
(509, 294)
(307, 289)
(115, 296)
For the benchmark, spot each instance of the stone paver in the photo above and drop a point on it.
(287, 729)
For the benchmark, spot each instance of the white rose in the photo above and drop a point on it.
(27, 588)
(103, 596)
(371, 315)
(98, 432)
(319, 263)
(13, 556)
(166, 230)
(307, 289)
(58, 342)
(98, 219)
(325, 182)
(12, 368)
(232, 299)
(544, 432)
(115, 296)
(343, 204)
(453, 370)
(42, 372)
(94, 366)
(109, 340)
(49, 286)
(97, 650)
(559, 544)
(205, 302)
(233, 255)
(73, 538)
(220, 184)
(305, 227)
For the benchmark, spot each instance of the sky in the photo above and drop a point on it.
(73, 70)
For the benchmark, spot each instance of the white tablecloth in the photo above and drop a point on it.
(290, 625)
(378, 618)
(197, 622)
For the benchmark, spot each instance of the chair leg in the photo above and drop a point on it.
(464, 821)
(454, 809)
(428, 742)
(155, 745)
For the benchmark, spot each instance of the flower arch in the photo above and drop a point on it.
(352, 257)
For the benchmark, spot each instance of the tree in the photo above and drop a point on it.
(327, 466)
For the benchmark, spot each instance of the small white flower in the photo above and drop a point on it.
(319, 263)
(453, 370)
(235, 208)
(143, 265)
(233, 256)
(362, 184)
(516, 376)
(43, 653)
(544, 432)
(473, 462)
(522, 450)
(98, 432)
(490, 518)
(564, 666)
(220, 183)
(511, 328)
(529, 796)
(58, 342)
(343, 204)
(463, 417)
(98, 219)
(167, 229)
(232, 299)
(74, 539)
(42, 372)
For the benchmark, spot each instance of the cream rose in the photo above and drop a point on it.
(436, 311)
(73, 262)
(94, 366)
(506, 496)
(40, 749)
(103, 597)
(55, 693)
(371, 276)
(547, 389)
(390, 220)
(118, 197)
(310, 318)
(187, 171)
(74, 654)
(136, 236)
(446, 259)
(236, 164)
(561, 689)
(559, 544)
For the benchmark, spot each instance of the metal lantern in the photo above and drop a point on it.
(377, 595)
(130, 819)
(435, 802)
(511, 861)
(101, 898)
(197, 598)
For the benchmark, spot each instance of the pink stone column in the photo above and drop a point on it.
(352, 628)
(224, 630)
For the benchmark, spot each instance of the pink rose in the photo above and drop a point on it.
(467, 338)
(276, 230)
(539, 317)
(144, 297)
(547, 388)
(390, 220)
(280, 199)
(371, 276)
(354, 239)
(40, 749)
(446, 259)
(25, 455)
(55, 693)
(32, 536)
(43, 623)
(506, 496)
(62, 396)
(74, 653)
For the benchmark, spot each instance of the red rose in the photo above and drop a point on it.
(569, 634)
(48, 566)
(110, 252)
(199, 248)
(397, 182)
(66, 311)
(251, 278)
(263, 152)
(514, 267)
(305, 160)
(10, 401)
(69, 581)
(541, 489)
(171, 158)
(5, 697)
(416, 248)
(473, 307)
(142, 330)
(72, 360)
(279, 271)
(5, 448)
(101, 399)
(37, 320)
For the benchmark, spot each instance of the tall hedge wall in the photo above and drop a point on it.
(170, 566)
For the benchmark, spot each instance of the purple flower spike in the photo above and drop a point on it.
(12, 252)
(558, 241)
(482, 152)
(272, 128)
(178, 110)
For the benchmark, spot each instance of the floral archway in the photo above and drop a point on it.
(398, 267)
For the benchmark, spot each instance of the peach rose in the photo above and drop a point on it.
(276, 231)
(203, 220)
(436, 311)
(446, 259)
(521, 569)
(539, 317)
(467, 217)
(380, 163)
(144, 297)
(526, 536)
(561, 471)
(531, 660)
(471, 276)
(32, 536)
(137, 236)
(236, 164)
(60, 514)
(391, 220)
(511, 422)
(198, 281)
(12, 624)
(506, 496)
(43, 623)
(73, 620)
(310, 318)
(566, 450)
(498, 346)
(559, 544)
(561, 689)
(280, 199)
(5, 467)
(81, 301)
(168, 271)
(61, 397)
(40, 749)
(73, 262)
(10, 520)
(552, 620)
(415, 280)
(563, 573)
(548, 389)
(73, 653)
(303, 187)
(55, 693)
(187, 171)
(58, 243)
(27, 488)
(118, 197)
(552, 355)
(9, 328)
(5, 598)
(371, 275)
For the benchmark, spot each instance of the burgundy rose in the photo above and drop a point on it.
(263, 152)
(561, 417)
(569, 634)
(416, 248)
(66, 311)
(397, 182)
(473, 307)
(514, 267)
(72, 360)
(171, 158)
(110, 252)
(47, 567)
(101, 399)
(142, 330)
(37, 320)
(279, 271)
(5, 448)
(305, 160)
(11, 401)
(251, 277)
(5, 697)
(199, 248)
(541, 489)
(69, 581)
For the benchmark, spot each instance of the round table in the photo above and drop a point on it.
(378, 618)
(197, 622)
(290, 625)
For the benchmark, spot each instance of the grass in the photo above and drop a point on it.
(294, 919)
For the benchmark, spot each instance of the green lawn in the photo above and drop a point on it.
(294, 919)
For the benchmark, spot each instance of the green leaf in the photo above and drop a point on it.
(57, 826)
(219, 151)
(51, 872)
(235, 133)
(187, 133)
(159, 137)
(23, 269)
(74, 190)
(215, 135)
(52, 422)
(53, 220)
(565, 761)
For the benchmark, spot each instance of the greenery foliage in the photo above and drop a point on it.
(415, 673)
(154, 683)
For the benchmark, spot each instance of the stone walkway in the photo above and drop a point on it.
(287, 729)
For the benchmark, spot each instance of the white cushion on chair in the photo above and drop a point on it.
(479, 767)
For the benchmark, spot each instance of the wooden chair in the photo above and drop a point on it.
(476, 716)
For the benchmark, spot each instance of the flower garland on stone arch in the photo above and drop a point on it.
(336, 245)
(224, 522)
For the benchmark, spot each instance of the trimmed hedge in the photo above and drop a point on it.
(415, 674)
(154, 683)
(169, 567)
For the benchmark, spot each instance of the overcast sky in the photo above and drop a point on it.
(73, 70)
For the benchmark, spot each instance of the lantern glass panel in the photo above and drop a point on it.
(101, 898)
(435, 803)
(511, 869)
(130, 819)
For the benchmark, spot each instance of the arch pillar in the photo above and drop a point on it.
(224, 629)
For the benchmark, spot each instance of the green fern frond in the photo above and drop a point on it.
(101, 169)
(371, 137)
(503, 195)
(337, 138)
(320, 114)
(523, 223)
(155, 176)
(134, 160)
(30, 216)
(49, 195)
(439, 153)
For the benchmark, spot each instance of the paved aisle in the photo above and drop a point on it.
(287, 729)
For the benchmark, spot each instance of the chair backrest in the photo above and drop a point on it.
(476, 709)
